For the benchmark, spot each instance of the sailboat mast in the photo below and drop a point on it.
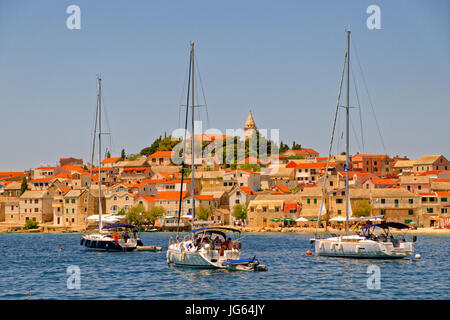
(193, 136)
(347, 142)
(99, 112)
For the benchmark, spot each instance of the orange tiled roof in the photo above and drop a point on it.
(43, 179)
(427, 194)
(64, 190)
(204, 197)
(148, 198)
(310, 165)
(170, 195)
(443, 193)
(248, 171)
(383, 181)
(63, 175)
(110, 160)
(153, 181)
(161, 154)
(441, 180)
(45, 168)
(8, 175)
(78, 169)
(246, 190)
(135, 170)
(283, 188)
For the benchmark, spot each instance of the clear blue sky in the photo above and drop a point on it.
(281, 59)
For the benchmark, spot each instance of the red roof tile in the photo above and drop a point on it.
(170, 195)
(161, 154)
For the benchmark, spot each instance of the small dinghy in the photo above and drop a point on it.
(245, 265)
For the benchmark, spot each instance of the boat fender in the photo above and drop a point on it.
(308, 252)
(81, 242)
(357, 249)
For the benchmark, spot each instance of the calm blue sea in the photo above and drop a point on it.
(32, 267)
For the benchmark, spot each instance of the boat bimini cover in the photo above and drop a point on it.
(385, 225)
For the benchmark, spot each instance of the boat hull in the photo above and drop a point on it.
(362, 249)
(96, 244)
(178, 255)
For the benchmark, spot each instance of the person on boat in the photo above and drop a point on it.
(125, 235)
(229, 244)
(116, 237)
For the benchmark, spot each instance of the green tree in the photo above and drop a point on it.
(133, 156)
(363, 208)
(283, 147)
(240, 212)
(108, 154)
(204, 213)
(122, 155)
(24, 185)
(30, 224)
(154, 214)
(136, 214)
(160, 144)
(295, 157)
(296, 146)
(122, 212)
(251, 167)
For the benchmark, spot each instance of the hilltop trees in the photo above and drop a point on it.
(160, 144)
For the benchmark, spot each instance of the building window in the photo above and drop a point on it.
(383, 201)
(383, 212)
(411, 212)
(411, 201)
(429, 210)
(339, 201)
(339, 211)
(443, 199)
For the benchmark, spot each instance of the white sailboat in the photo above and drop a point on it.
(113, 237)
(366, 244)
(208, 247)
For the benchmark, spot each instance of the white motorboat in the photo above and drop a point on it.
(373, 241)
(210, 248)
